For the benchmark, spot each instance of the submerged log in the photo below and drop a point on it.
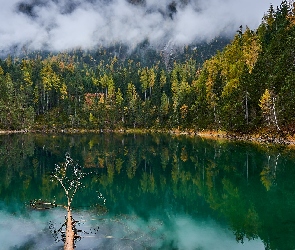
(71, 232)
(41, 204)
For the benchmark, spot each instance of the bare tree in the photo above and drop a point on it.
(69, 174)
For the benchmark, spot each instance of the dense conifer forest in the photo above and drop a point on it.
(246, 86)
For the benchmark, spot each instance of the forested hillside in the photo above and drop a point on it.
(246, 86)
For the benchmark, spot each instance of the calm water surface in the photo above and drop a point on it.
(149, 192)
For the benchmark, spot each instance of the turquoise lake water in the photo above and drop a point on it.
(148, 192)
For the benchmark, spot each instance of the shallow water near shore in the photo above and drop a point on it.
(148, 192)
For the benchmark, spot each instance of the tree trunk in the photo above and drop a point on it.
(247, 112)
(274, 113)
(70, 232)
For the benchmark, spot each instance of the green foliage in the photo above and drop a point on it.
(102, 91)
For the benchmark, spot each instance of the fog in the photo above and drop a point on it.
(65, 24)
(121, 232)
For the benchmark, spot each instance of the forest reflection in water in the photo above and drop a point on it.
(149, 191)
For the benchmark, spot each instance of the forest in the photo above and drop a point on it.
(246, 86)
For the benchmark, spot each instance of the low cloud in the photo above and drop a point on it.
(65, 24)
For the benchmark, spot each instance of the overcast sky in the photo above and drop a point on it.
(66, 24)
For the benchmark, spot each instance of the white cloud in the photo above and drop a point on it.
(57, 26)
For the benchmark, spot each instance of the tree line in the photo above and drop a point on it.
(245, 87)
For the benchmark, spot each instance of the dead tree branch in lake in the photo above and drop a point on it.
(69, 174)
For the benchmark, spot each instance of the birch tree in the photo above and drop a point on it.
(268, 107)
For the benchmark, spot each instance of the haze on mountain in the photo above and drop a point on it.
(58, 25)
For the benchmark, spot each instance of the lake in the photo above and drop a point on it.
(148, 192)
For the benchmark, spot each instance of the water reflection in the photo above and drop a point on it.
(121, 232)
(69, 175)
(156, 191)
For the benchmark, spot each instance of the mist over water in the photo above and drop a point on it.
(31, 230)
(183, 232)
(66, 24)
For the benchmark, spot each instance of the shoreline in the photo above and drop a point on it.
(206, 134)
